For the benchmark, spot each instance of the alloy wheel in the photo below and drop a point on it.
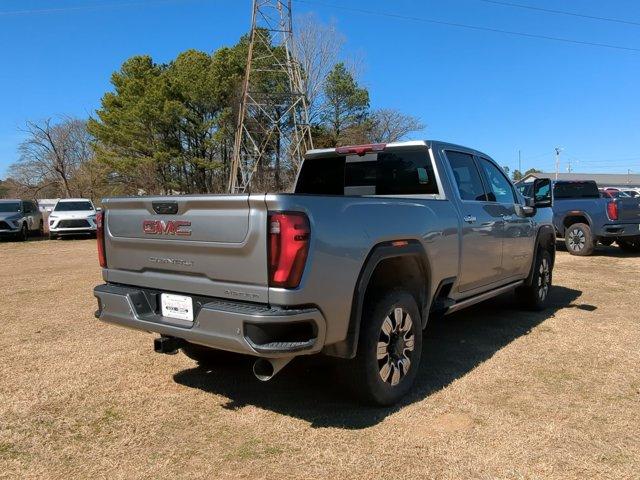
(577, 240)
(544, 279)
(395, 346)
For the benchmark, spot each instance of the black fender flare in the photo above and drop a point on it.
(575, 213)
(402, 248)
(545, 240)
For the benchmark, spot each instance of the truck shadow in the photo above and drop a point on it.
(452, 347)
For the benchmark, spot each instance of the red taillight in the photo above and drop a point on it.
(612, 210)
(102, 258)
(288, 247)
(361, 149)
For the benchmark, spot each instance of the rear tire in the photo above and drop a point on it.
(208, 356)
(23, 236)
(536, 295)
(632, 244)
(389, 349)
(579, 239)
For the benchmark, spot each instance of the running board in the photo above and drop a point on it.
(483, 296)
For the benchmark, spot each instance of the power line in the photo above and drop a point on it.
(468, 26)
(562, 12)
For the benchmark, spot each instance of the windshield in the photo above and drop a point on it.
(9, 207)
(73, 206)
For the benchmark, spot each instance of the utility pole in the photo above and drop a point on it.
(520, 161)
(558, 150)
(273, 127)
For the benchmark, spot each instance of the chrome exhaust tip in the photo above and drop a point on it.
(266, 368)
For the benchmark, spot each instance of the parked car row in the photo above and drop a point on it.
(585, 215)
(20, 219)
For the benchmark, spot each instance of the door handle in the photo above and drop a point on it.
(469, 219)
(507, 218)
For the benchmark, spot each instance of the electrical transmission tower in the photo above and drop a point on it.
(273, 120)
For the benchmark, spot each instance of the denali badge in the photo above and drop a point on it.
(170, 227)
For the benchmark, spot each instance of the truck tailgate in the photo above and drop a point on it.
(629, 210)
(212, 245)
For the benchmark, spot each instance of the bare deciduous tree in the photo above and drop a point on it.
(388, 125)
(317, 48)
(51, 154)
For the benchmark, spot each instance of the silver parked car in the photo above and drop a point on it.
(20, 218)
(72, 216)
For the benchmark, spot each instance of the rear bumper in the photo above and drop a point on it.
(620, 230)
(241, 327)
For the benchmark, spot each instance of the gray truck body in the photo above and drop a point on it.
(466, 251)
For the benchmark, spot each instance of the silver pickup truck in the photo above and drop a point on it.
(374, 241)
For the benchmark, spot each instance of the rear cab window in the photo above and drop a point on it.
(576, 190)
(395, 171)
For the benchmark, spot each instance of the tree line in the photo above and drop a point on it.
(169, 127)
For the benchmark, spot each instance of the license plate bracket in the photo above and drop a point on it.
(176, 306)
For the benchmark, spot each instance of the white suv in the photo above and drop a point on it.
(72, 216)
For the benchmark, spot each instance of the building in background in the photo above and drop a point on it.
(617, 180)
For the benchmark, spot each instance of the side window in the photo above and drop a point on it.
(406, 172)
(466, 176)
(500, 187)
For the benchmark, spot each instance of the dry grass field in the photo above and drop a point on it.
(501, 393)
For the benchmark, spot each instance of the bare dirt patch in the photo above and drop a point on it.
(501, 394)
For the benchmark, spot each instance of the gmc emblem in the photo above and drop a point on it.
(170, 227)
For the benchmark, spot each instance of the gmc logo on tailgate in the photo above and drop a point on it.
(170, 227)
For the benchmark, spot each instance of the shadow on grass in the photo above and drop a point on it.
(602, 250)
(452, 347)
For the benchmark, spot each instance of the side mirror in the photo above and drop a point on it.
(542, 193)
(528, 209)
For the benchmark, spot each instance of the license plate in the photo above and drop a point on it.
(176, 306)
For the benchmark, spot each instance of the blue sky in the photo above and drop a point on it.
(495, 92)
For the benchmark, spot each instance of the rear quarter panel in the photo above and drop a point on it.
(344, 230)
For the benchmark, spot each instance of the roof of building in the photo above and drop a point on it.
(602, 179)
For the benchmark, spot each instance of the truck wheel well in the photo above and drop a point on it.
(387, 266)
(571, 219)
(398, 272)
(546, 240)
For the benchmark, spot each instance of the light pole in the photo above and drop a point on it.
(558, 150)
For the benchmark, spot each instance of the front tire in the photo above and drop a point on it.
(535, 296)
(579, 239)
(23, 236)
(389, 349)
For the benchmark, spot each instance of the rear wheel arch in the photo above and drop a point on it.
(411, 271)
(575, 217)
